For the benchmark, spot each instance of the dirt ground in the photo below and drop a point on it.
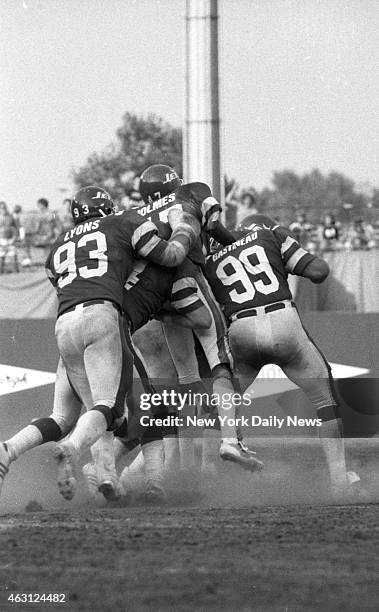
(274, 558)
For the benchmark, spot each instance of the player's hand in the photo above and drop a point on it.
(182, 222)
(175, 216)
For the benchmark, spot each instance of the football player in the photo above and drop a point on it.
(162, 190)
(249, 279)
(147, 289)
(89, 265)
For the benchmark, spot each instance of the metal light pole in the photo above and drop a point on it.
(201, 150)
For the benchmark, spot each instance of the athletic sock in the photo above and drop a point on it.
(102, 452)
(88, 429)
(24, 440)
(334, 449)
(153, 454)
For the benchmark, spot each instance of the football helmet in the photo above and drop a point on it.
(90, 202)
(157, 181)
(248, 222)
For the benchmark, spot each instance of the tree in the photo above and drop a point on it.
(140, 143)
(313, 194)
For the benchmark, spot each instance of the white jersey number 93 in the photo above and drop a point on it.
(65, 259)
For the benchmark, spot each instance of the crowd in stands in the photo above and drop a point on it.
(26, 236)
(329, 234)
(332, 235)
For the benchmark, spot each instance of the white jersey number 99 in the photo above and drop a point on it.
(240, 267)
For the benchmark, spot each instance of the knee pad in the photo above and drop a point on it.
(49, 428)
(111, 416)
(328, 413)
(122, 430)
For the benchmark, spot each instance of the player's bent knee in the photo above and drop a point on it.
(49, 428)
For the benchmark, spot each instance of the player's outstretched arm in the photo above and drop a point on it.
(317, 270)
(221, 234)
(297, 260)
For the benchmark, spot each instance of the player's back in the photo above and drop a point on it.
(93, 259)
(251, 272)
(147, 288)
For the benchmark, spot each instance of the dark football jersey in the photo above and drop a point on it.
(194, 198)
(147, 288)
(93, 259)
(253, 271)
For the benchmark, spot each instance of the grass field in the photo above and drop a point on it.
(267, 543)
(274, 558)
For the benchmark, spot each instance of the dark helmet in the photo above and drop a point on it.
(158, 181)
(91, 202)
(248, 222)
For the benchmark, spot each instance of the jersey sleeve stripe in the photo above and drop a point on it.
(286, 245)
(189, 307)
(154, 243)
(185, 292)
(302, 264)
(142, 235)
(295, 259)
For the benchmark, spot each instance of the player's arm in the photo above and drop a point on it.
(317, 270)
(221, 234)
(197, 198)
(171, 253)
(297, 260)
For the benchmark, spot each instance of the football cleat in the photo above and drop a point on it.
(111, 489)
(153, 495)
(89, 473)
(91, 202)
(65, 456)
(239, 453)
(4, 463)
(107, 485)
(350, 490)
(352, 477)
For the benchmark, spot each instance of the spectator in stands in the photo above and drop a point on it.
(305, 233)
(18, 217)
(8, 236)
(132, 198)
(47, 228)
(64, 217)
(360, 235)
(330, 233)
(247, 206)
